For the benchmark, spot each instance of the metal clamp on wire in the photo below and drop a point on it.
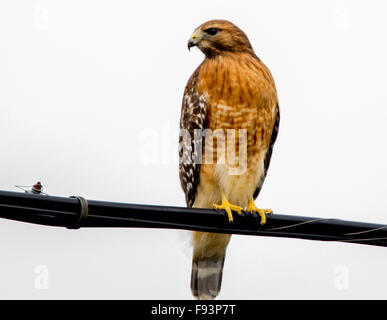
(83, 215)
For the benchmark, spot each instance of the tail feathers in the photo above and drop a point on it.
(206, 278)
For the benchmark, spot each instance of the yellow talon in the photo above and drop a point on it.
(262, 212)
(228, 207)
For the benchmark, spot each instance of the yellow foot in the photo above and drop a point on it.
(262, 212)
(228, 207)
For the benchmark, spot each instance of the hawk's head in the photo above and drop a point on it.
(219, 36)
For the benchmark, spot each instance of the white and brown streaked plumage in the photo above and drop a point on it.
(231, 89)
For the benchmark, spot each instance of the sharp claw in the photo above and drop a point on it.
(230, 217)
(263, 219)
(254, 214)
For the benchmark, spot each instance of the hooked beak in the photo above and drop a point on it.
(195, 39)
(191, 44)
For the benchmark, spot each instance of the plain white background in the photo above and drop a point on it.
(90, 95)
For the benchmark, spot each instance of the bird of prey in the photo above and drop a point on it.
(233, 94)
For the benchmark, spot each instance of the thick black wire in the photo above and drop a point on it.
(64, 212)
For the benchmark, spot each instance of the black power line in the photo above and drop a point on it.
(73, 213)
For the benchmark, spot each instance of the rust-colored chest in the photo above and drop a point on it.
(241, 94)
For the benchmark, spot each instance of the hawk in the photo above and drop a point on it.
(233, 94)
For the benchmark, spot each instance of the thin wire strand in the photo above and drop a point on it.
(365, 231)
(29, 189)
(21, 187)
(297, 224)
(364, 239)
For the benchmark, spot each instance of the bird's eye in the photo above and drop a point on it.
(211, 31)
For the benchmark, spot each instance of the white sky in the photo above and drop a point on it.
(87, 87)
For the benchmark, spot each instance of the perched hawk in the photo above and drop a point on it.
(233, 94)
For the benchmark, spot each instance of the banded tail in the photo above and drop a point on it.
(207, 264)
(206, 278)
